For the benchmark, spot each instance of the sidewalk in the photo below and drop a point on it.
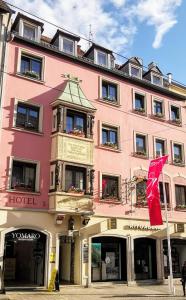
(99, 292)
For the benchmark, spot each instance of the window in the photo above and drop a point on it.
(75, 179)
(75, 123)
(141, 147)
(136, 72)
(68, 46)
(109, 91)
(110, 186)
(156, 80)
(102, 58)
(158, 108)
(29, 31)
(166, 191)
(110, 137)
(31, 66)
(180, 195)
(159, 147)
(27, 116)
(175, 114)
(139, 102)
(23, 176)
(178, 153)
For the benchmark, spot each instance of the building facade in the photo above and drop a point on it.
(77, 135)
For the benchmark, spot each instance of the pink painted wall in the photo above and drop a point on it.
(35, 147)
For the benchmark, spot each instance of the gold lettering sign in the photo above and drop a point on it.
(112, 223)
(179, 227)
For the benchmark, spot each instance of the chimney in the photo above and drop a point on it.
(169, 75)
(152, 65)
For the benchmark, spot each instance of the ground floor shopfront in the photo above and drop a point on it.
(125, 250)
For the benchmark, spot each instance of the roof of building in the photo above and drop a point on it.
(65, 34)
(24, 17)
(74, 95)
(5, 8)
(98, 47)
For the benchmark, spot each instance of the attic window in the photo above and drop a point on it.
(29, 31)
(102, 58)
(68, 46)
(135, 71)
(156, 80)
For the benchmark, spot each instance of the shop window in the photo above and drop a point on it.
(75, 123)
(75, 179)
(31, 66)
(109, 91)
(102, 58)
(158, 110)
(67, 45)
(180, 191)
(110, 187)
(178, 157)
(110, 137)
(141, 145)
(159, 147)
(27, 116)
(139, 103)
(175, 114)
(23, 176)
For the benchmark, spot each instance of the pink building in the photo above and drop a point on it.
(77, 135)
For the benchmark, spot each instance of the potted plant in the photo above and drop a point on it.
(77, 132)
(111, 145)
(178, 161)
(32, 74)
(141, 153)
(140, 109)
(159, 114)
(74, 190)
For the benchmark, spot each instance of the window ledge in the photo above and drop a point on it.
(134, 154)
(28, 131)
(116, 103)
(111, 201)
(180, 208)
(72, 136)
(174, 123)
(109, 149)
(23, 192)
(138, 112)
(182, 164)
(158, 118)
(30, 78)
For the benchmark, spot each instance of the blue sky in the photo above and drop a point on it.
(153, 30)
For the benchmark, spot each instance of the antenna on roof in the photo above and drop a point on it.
(90, 38)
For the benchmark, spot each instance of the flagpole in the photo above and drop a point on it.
(171, 283)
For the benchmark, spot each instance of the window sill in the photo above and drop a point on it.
(116, 103)
(71, 136)
(109, 149)
(134, 154)
(110, 201)
(23, 192)
(182, 164)
(179, 208)
(27, 131)
(138, 112)
(30, 78)
(178, 124)
(158, 118)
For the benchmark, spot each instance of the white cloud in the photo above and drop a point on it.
(114, 22)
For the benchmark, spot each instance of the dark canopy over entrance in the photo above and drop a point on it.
(145, 258)
(108, 259)
(24, 258)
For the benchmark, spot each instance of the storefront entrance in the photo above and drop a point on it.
(145, 259)
(108, 259)
(66, 259)
(24, 258)
(178, 251)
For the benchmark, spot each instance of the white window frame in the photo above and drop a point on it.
(35, 27)
(146, 141)
(54, 120)
(106, 124)
(23, 51)
(182, 152)
(179, 108)
(62, 38)
(161, 139)
(119, 186)
(52, 169)
(135, 67)
(145, 100)
(104, 79)
(158, 76)
(26, 102)
(106, 55)
(163, 106)
(37, 178)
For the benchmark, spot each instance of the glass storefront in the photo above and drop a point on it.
(145, 259)
(178, 251)
(108, 259)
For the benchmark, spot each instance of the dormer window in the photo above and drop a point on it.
(67, 45)
(101, 58)
(29, 31)
(135, 71)
(156, 80)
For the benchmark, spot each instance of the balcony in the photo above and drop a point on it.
(70, 203)
(72, 148)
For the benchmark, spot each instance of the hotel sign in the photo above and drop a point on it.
(142, 227)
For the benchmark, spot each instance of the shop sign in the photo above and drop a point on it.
(22, 236)
(142, 227)
(112, 223)
(22, 200)
(85, 253)
(179, 227)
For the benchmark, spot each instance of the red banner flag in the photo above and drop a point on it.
(153, 194)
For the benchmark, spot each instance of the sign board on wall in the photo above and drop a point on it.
(179, 227)
(112, 223)
(85, 253)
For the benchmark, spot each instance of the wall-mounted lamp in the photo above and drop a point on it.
(70, 223)
(59, 219)
(85, 220)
